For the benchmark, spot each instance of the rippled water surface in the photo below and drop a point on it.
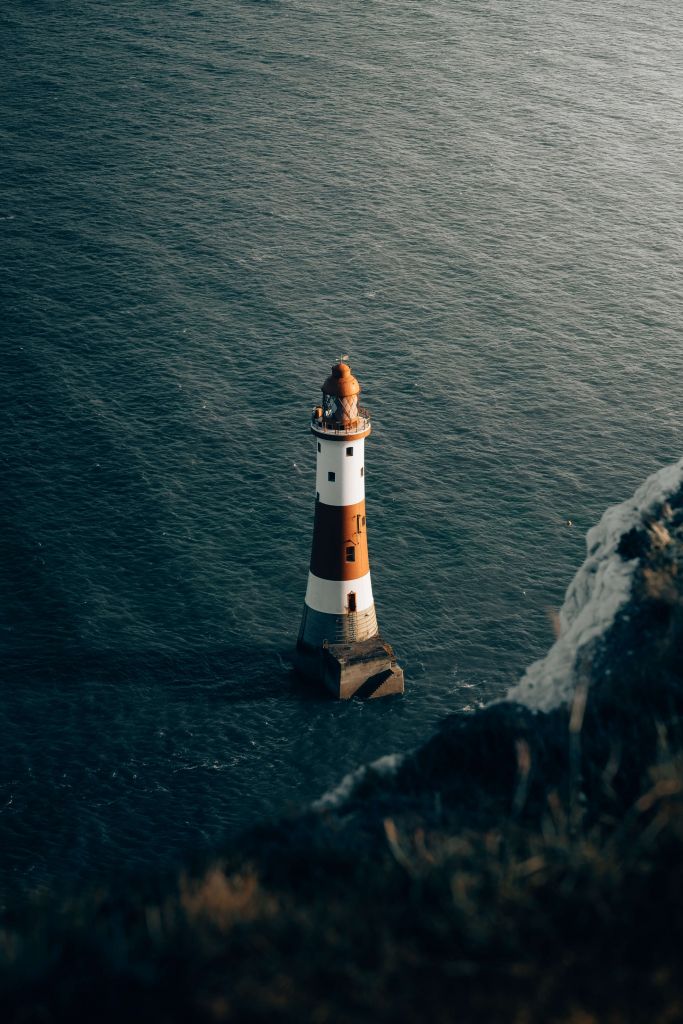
(201, 207)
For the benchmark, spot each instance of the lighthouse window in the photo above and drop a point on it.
(352, 602)
(349, 451)
(362, 470)
(351, 554)
(363, 520)
(318, 445)
(330, 476)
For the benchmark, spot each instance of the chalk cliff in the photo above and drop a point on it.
(618, 608)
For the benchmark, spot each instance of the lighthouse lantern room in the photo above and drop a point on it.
(339, 643)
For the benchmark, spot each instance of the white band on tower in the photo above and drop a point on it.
(332, 596)
(340, 472)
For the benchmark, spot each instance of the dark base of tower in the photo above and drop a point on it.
(366, 668)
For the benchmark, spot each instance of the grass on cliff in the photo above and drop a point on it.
(572, 917)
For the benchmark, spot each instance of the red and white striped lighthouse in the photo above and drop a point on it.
(339, 642)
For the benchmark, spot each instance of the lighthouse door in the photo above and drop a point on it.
(352, 602)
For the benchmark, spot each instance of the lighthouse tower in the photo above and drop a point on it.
(339, 643)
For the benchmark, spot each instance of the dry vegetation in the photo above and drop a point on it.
(566, 921)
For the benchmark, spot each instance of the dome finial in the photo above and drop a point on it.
(341, 382)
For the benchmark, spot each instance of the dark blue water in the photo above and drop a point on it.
(201, 207)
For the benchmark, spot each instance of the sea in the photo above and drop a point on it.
(202, 206)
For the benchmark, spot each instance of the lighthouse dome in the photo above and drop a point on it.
(341, 383)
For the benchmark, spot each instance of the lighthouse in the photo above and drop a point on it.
(339, 643)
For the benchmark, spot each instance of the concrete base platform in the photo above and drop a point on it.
(365, 668)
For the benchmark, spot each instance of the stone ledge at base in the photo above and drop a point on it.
(366, 668)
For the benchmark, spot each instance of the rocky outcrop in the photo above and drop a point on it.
(616, 617)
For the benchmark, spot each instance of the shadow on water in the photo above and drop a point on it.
(225, 675)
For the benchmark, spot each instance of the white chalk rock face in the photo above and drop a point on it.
(384, 767)
(595, 596)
